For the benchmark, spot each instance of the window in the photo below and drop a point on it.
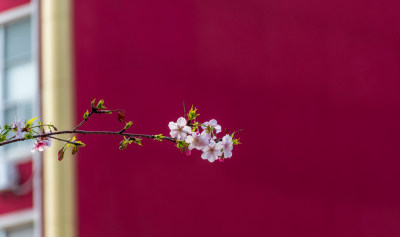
(18, 79)
(19, 100)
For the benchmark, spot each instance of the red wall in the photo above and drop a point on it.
(8, 4)
(314, 84)
(12, 202)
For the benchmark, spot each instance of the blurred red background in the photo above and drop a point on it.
(314, 84)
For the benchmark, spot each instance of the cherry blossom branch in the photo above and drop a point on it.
(51, 135)
(187, 133)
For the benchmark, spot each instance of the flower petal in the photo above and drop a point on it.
(205, 125)
(174, 134)
(212, 158)
(189, 139)
(191, 146)
(217, 128)
(182, 136)
(187, 129)
(226, 139)
(19, 132)
(204, 155)
(172, 125)
(213, 122)
(227, 153)
(218, 146)
(181, 121)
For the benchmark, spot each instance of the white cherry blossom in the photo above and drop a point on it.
(179, 130)
(198, 141)
(212, 151)
(227, 146)
(212, 123)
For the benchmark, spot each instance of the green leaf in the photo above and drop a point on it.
(123, 144)
(159, 137)
(92, 103)
(3, 138)
(181, 145)
(71, 140)
(128, 125)
(80, 144)
(30, 122)
(236, 142)
(6, 132)
(86, 115)
(192, 114)
(100, 105)
(28, 135)
(7, 127)
(195, 126)
(138, 141)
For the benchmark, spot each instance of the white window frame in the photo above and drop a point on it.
(15, 220)
(27, 216)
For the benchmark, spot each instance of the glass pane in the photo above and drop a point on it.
(19, 82)
(18, 38)
(23, 231)
(21, 110)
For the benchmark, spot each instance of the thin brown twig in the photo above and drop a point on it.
(87, 133)
(84, 120)
(95, 111)
(184, 110)
(11, 138)
(67, 141)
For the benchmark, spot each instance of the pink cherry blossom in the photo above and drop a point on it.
(198, 141)
(179, 130)
(227, 146)
(41, 144)
(212, 151)
(16, 126)
(212, 123)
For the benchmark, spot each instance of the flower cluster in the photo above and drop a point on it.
(30, 130)
(27, 130)
(190, 134)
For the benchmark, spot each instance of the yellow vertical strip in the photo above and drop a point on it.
(59, 195)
